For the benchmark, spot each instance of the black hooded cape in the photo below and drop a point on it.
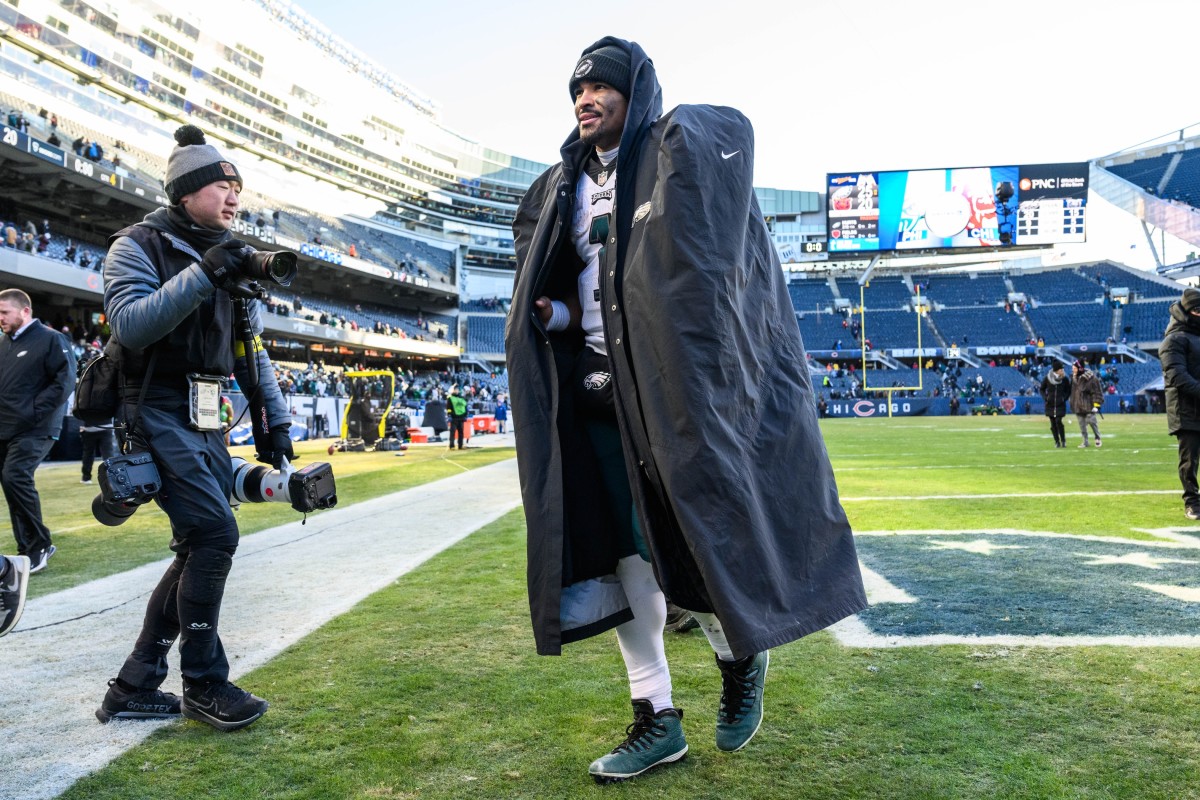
(730, 476)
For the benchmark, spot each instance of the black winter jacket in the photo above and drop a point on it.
(730, 477)
(1180, 356)
(1056, 396)
(37, 372)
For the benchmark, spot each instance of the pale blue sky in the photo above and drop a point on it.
(828, 85)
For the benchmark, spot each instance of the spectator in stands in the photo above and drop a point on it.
(1086, 399)
(53, 140)
(70, 253)
(169, 289)
(608, 515)
(1180, 355)
(1056, 389)
(37, 370)
(10, 235)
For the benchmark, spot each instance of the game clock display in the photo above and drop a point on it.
(956, 209)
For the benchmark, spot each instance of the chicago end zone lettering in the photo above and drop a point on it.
(867, 408)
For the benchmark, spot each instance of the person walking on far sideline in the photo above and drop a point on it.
(1180, 356)
(1056, 388)
(1086, 398)
(626, 296)
(37, 368)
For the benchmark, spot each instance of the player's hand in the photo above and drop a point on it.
(544, 309)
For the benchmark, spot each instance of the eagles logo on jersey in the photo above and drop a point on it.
(596, 380)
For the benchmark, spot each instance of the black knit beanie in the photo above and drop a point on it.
(194, 164)
(1191, 299)
(608, 64)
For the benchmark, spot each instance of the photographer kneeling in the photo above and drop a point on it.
(172, 283)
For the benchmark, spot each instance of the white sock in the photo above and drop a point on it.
(641, 639)
(715, 633)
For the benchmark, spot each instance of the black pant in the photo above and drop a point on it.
(456, 429)
(196, 480)
(1056, 428)
(102, 440)
(19, 457)
(1189, 459)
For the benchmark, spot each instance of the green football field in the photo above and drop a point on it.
(1034, 633)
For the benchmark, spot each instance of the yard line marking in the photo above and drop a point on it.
(1004, 495)
(892, 468)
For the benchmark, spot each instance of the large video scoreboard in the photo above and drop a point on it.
(951, 209)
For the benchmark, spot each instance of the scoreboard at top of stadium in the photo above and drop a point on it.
(956, 209)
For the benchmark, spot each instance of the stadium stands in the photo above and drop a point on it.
(1056, 286)
(1145, 321)
(1067, 323)
(959, 289)
(881, 292)
(979, 326)
(810, 294)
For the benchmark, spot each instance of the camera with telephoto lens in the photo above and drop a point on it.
(126, 482)
(276, 267)
(307, 489)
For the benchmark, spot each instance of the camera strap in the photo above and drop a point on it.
(131, 425)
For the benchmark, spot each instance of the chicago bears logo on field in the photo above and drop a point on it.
(941, 587)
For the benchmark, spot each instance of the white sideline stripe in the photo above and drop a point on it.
(851, 632)
(993, 496)
(286, 582)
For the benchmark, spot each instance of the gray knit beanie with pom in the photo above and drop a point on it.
(194, 164)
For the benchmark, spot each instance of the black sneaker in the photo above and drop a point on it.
(121, 703)
(222, 705)
(1192, 512)
(39, 558)
(12, 591)
(680, 620)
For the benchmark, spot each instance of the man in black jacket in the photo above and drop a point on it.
(170, 284)
(36, 370)
(1056, 390)
(629, 304)
(1180, 356)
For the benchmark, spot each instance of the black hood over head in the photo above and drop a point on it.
(1182, 320)
(645, 107)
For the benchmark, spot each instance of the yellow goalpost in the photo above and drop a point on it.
(862, 315)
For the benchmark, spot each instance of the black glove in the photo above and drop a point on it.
(280, 447)
(222, 266)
